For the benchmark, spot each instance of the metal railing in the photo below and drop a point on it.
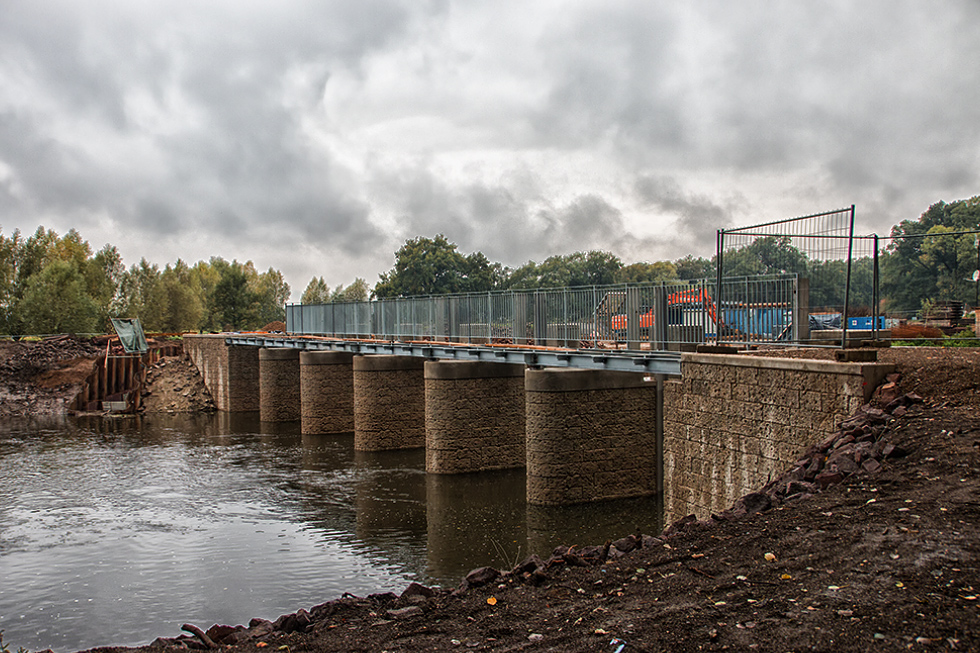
(622, 316)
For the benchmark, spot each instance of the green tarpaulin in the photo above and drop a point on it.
(130, 333)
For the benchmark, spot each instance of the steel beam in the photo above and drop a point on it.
(660, 362)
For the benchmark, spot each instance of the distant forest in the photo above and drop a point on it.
(56, 284)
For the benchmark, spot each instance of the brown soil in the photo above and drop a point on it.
(43, 377)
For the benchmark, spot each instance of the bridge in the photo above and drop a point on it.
(587, 425)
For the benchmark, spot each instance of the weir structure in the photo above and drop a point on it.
(702, 429)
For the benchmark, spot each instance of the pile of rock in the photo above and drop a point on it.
(174, 385)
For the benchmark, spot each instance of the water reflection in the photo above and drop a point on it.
(116, 531)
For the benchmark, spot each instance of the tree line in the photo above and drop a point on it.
(919, 264)
(56, 284)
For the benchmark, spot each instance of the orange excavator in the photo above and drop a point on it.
(694, 297)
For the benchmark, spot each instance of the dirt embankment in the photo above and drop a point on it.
(173, 385)
(43, 377)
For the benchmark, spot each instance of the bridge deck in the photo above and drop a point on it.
(658, 362)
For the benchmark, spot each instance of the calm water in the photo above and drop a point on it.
(118, 531)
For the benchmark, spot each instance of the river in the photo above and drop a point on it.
(115, 531)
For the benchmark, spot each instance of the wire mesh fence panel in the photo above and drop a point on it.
(840, 270)
(623, 316)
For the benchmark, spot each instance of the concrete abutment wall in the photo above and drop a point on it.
(734, 422)
(231, 374)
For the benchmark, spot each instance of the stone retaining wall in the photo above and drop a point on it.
(591, 435)
(474, 416)
(231, 374)
(732, 423)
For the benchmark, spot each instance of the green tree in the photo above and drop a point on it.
(56, 301)
(233, 298)
(593, 268)
(317, 292)
(690, 268)
(355, 292)
(185, 307)
(923, 264)
(434, 266)
(766, 255)
(103, 277)
(661, 271)
(143, 296)
(270, 292)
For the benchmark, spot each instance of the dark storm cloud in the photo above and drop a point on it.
(698, 216)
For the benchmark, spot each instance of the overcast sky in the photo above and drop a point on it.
(316, 137)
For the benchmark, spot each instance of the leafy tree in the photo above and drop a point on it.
(56, 301)
(691, 268)
(271, 292)
(143, 295)
(317, 292)
(924, 264)
(103, 277)
(594, 268)
(648, 273)
(233, 298)
(184, 299)
(766, 255)
(434, 266)
(355, 292)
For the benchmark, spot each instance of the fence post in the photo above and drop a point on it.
(659, 328)
(847, 286)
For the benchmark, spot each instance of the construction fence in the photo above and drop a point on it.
(653, 316)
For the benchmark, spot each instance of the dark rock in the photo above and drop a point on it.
(405, 613)
(626, 544)
(798, 487)
(482, 576)
(756, 502)
(816, 464)
(383, 597)
(846, 465)
(871, 466)
(676, 527)
(417, 589)
(900, 410)
(260, 627)
(826, 479)
(843, 442)
(298, 622)
(218, 633)
(529, 564)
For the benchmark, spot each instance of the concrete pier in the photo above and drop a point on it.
(389, 403)
(590, 436)
(327, 391)
(279, 396)
(474, 416)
